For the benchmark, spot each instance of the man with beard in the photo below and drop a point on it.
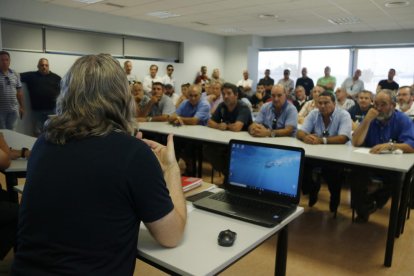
(384, 129)
(405, 99)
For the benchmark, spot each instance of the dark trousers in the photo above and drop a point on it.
(367, 188)
(8, 224)
(332, 175)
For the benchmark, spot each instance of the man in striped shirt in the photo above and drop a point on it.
(11, 94)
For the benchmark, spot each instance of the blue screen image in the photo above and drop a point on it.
(264, 168)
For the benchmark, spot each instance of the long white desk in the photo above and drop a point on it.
(199, 253)
(398, 165)
(17, 167)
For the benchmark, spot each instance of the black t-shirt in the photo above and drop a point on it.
(307, 83)
(43, 89)
(83, 203)
(388, 85)
(241, 113)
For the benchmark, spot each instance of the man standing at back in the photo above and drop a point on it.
(328, 82)
(389, 83)
(44, 88)
(168, 78)
(128, 71)
(287, 83)
(11, 94)
(267, 81)
(353, 85)
(150, 79)
(305, 81)
(246, 83)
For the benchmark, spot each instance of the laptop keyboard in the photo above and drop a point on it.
(250, 204)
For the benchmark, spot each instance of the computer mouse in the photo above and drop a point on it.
(226, 238)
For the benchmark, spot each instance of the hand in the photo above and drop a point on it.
(154, 100)
(172, 118)
(165, 154)
(312, 139)
(257, 130)
(380, 148)
(222, 126)
(21, 112)
(371, 114)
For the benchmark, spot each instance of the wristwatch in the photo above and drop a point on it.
(325, 140)
(272, 133)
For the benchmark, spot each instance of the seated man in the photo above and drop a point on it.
(360, 109)
(194, 111)
(385, 129)
(232, 114)
(259, 97)
(159, 108)
(170, 92)
(141, 100)
(405, 98)
(301, 98)
(276, 118)
(326, 125)
(310, 105)
(342, 100)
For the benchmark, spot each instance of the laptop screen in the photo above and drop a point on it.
(265, 168)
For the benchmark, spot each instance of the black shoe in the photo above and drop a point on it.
(313, 198)
(333, 205)
(365, 212)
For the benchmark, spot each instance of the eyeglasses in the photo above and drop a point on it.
(325, 133)
(7, 80)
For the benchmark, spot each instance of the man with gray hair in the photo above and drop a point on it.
(276, 118)
(405, 97)
(385, 130)
(353, 85)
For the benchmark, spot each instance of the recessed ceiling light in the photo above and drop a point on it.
(396, 4)
(345, 20)
(88, 1)
(230, 30)
(268, 16)
(163, 14)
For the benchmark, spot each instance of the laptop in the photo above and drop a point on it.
(263, 185)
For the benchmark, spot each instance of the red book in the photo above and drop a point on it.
(190, 183)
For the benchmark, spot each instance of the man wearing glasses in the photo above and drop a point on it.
(276, 118)
(168, 78)
(11, 94)
(326, 125)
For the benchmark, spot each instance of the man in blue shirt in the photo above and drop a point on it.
(194, 111)
(276, 118)
(385, 130)
(360, 109)
(325, 125)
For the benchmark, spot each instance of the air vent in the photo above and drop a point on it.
(268, 16)
(345, 20)
(163, 14)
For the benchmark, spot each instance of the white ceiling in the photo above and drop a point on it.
(241, 17)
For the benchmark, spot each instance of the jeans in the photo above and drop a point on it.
(8, 120)
(38, 119)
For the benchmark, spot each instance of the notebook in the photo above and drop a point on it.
(263, 186)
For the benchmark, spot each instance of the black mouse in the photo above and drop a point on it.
(226, 238)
